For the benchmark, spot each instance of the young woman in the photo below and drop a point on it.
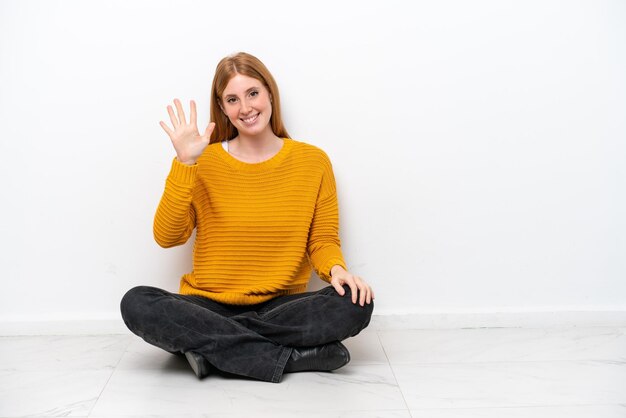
(264, 207)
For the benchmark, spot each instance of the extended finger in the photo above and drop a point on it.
(192, 114)
(209, 129)
(173, 117)
(166, 128)
(181, 112)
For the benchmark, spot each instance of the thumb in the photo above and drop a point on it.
(209, 129)
(338, 287)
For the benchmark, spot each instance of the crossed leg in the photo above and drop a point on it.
(254, 341)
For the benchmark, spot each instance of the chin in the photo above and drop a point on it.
(253, 131)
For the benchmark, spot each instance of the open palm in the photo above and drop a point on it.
(187, 141)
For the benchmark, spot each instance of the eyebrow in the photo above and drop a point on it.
(247, 91)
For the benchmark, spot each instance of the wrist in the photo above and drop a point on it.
(186, 162)
(334, 269)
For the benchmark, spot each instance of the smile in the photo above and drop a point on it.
(251, 119)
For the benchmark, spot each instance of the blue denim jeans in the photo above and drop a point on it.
(246, 340)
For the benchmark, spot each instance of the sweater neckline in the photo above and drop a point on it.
(256, 167)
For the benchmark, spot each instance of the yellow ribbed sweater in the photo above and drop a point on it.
(260, 227)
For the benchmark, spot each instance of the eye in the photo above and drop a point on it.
(254, 93)
(231, 100)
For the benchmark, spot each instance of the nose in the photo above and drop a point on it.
(245, 107)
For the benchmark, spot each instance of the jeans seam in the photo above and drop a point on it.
(280, 365)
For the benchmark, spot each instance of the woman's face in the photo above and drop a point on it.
(247, 103)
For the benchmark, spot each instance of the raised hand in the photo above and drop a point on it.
(187, 141)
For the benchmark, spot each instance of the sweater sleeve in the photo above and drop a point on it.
(324, 245)
(175, 216)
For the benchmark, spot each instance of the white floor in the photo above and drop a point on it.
(496, 373)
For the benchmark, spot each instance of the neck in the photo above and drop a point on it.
(257, 144)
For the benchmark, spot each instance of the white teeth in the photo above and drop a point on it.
(252, 119)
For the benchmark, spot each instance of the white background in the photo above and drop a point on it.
(479, 147)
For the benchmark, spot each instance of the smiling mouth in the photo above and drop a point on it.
(251, 119)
